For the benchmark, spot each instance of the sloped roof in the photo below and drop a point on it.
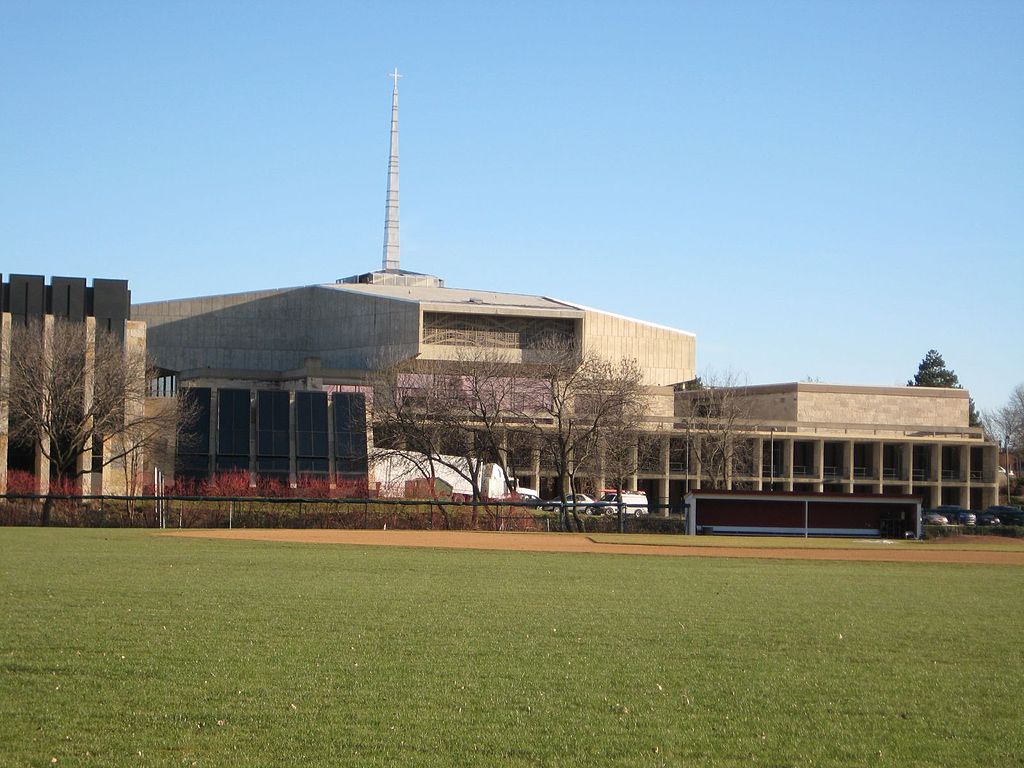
(454, 297)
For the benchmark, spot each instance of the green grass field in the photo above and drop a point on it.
(125, 648)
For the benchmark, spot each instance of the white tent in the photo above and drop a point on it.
(391, 470)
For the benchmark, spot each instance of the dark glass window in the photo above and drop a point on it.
(272, 432)
(349, 432)
(311, 422)
(193, 453)
(271, 423)
(232, 463)
(312, 466)
(272, 465)
(233, 423)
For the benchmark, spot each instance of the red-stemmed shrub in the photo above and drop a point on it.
(229, 485)
(21, 482)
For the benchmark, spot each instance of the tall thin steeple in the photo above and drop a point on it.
(391, 242)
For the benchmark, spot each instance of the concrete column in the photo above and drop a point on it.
(848, 467)
(787, 461)
(936, 462)
(877, 465)
(332, 467)
(42, 461)
(908, 460)
(663, 494)
(252, 437)
(758, 468)
(5, 393)
(293, 475)
(214, 434)
(634, 462)
(696, 467)
(84, 463)
(119, 474)
(535, 468)
(818, 457)
(965, 473)
(504, 456)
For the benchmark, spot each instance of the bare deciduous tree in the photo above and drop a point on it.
(71, 393)
(714, 411)
(1006, 425)
(452, 414)
(583, 405)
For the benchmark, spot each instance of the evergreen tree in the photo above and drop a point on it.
(932, 372)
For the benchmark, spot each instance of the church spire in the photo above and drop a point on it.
(391, 243)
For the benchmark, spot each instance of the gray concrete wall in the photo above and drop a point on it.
(665, 355)
(277, 330)
(911, 406)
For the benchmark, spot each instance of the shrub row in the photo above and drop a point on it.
(945, 531)
(270, 514)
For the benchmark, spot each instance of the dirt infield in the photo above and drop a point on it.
(582, 543)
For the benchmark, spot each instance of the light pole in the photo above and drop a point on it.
(1006, 443)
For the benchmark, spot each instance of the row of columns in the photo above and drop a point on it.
(906, 481)
(111, 478)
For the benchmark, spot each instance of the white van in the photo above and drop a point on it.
(633, 503)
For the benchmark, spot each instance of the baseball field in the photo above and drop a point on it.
(121, 647)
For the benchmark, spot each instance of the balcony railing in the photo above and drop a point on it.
(861, 472)
(977, 474)
(951, 474)
(834, 473)
(801, 470)
(891, 473)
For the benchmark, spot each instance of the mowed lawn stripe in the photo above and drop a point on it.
(115, 643)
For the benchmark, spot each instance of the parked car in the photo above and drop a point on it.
(1008, 515)
(966, 517)
(580, 500)
(989, 518)
(633, 503)
(528, 494)
(934, 518)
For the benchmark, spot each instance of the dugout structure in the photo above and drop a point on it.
(803, 514)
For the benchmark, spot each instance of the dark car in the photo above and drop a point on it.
(1008, 515)
(966, 517)
(989, 518)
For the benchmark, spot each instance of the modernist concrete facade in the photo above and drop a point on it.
(102, 307)
(342, 327)
(808, 437)
(801, 437)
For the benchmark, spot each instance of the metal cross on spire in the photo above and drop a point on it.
(391, 240)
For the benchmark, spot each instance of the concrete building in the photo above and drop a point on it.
(28, 300)
(822, 438)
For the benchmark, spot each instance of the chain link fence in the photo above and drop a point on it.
(270, 512)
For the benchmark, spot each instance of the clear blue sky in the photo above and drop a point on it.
(816, 189)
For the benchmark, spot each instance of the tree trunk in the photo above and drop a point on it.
(44, 518)
(576, 518)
